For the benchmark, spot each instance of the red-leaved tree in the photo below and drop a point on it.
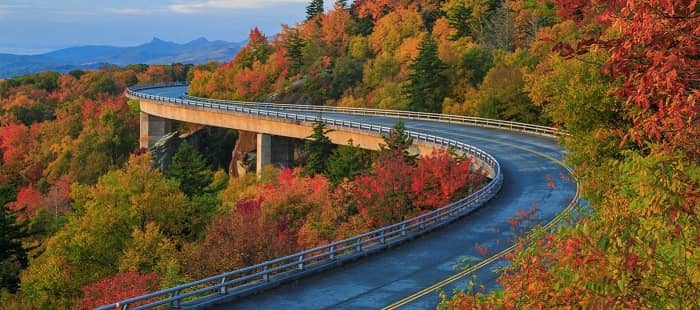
(118, 287)
(440, 179)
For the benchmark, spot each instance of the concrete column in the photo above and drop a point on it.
(152, 129)
(264, 152)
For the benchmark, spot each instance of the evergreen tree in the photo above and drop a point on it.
(190, 168)
(347, 161)
(314, 8)
(295, 45)
(426, 86)
(13, 256)
(318, 148)
(459, 18)
(399, 141)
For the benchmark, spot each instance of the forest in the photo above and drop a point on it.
(88, 220)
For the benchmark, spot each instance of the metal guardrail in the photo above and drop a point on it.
(250, 279)
(459, 119)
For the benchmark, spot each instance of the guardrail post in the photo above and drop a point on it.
(222, 289)
(266, 274)
(176, 302)
(382, 239)
(300, 266)
(331, 252)
(403, 229)
(422, 223)
(358, 244)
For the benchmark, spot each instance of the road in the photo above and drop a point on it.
(533, 176)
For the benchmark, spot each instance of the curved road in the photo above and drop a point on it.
(533, 176)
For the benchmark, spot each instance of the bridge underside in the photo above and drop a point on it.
(155, 122)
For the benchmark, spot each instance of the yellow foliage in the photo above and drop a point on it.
(392, 29)
(408, 51)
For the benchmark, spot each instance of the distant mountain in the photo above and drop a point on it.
(157, 51)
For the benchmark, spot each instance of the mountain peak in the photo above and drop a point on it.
(199, 40)
(157, 40)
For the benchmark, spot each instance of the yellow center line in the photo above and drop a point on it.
(502, 253)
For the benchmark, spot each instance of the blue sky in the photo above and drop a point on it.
(31, 26)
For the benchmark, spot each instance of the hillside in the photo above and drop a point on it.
(87, 220)
(91, 57)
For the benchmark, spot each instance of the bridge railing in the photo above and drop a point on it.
(256, 277)
(461, 119)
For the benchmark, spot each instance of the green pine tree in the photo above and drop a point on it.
(318, 149)
(295, 45)
(13, 256)
(190, 169)
(426, 86)
(459, 19)
(347, 161)
(398, 140)
(314, 8)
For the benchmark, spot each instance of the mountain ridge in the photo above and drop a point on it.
(156, 51)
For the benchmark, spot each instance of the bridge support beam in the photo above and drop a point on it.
(152, 129)
(264, 152)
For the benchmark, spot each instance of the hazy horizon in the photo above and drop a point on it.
(40, 26)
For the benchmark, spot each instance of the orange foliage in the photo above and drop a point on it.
(13, 142)
(155, 74)
(335, 28)
(250, 84)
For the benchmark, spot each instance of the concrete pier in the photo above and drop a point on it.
(152, 128)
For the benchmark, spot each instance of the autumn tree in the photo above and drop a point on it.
(239, 238)
(441, 178)
(29, 201)
(256, 50)
(336, 29)
(426, 88)
(83, 250)
(529, 16)
(117, 288)
(385, 196)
